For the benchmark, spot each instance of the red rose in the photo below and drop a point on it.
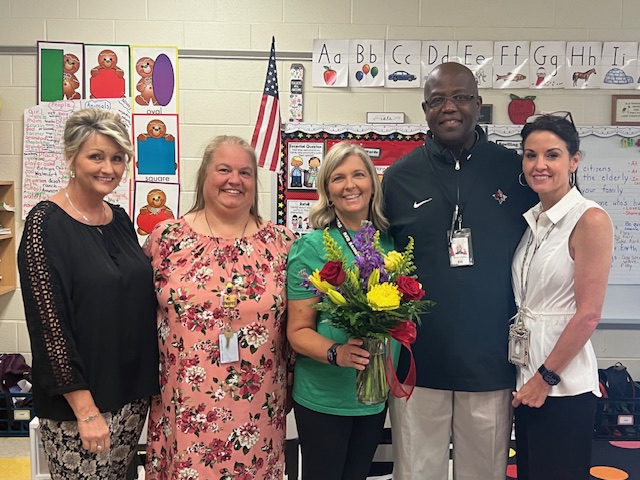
(333, 273)
(409, 287)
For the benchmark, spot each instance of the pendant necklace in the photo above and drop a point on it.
(235, 279)
(104, 212)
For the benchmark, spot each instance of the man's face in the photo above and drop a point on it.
(454, 121)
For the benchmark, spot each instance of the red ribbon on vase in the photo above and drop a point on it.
(405, 333)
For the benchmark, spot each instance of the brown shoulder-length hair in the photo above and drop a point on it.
(209, 152)
(322, 213)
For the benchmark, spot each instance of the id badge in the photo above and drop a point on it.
(229, 346)
(229, 300)
(460, 248)
(519, 344)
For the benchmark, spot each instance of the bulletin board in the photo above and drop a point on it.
(304, 147)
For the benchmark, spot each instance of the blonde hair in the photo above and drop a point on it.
(322, 213)
(209, 152)
(84, 123)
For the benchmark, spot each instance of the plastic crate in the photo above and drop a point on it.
(617, 419)
(14, 416)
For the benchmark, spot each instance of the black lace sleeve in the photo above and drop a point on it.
(56, 361)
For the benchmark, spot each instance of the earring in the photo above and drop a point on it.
(573, 178)
(330, 204)
(72, 174)
(520, 180)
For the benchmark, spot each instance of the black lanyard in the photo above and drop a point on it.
(346, 236)
(458, 206)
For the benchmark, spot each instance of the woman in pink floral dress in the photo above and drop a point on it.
(220, 281)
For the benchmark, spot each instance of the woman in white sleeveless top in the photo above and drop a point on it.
(560, 271)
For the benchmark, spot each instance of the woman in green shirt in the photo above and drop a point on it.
(338, 435)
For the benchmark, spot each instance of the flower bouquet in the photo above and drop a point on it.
(375, 298)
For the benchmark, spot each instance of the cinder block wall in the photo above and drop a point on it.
(223, 96)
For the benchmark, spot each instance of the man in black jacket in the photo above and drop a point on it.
(457, 189)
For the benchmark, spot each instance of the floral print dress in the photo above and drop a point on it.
(213, 420)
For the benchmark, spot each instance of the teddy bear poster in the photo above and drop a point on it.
(156, 143)
(75, 71)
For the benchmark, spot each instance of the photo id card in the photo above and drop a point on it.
(460, 248)
(519, 344)
(229, 346)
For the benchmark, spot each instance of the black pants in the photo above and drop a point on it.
(553, 442)
(336, 447)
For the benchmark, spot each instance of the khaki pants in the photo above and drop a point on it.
(478, 424)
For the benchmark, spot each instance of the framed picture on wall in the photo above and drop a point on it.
(625, 110)
(486, 113)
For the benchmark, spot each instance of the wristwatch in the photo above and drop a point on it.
(549, 376)
(332, 354)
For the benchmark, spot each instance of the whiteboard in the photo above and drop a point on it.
(608, 173)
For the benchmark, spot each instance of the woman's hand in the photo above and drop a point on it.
(95, 434)
(533, 393)
(351, 355)
(93, 428)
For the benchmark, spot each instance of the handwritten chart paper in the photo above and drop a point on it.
(43, 165)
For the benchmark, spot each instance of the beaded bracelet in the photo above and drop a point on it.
(90, 418)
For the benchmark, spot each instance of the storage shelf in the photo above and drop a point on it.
(8, 241)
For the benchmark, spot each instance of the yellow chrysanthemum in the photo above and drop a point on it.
(320, 284)
(384, 297)
(392, 261)
(336, 297)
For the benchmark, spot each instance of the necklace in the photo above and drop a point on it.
(104, 212)
(235, 279)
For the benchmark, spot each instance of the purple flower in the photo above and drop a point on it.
(369, 257)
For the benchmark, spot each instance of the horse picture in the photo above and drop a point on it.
(582, 76)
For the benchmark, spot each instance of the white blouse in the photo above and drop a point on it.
(542, 274)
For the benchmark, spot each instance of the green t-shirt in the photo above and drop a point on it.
(319, 386)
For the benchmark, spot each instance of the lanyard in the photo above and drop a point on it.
(458, 205)
(524, 282)
(346, 236)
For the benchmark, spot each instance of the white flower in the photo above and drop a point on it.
(186, 243)
(219, 394)
(188, 474)
(256, 334)
(203, 274)
(248, 435)
(163, 328)
(195, 375)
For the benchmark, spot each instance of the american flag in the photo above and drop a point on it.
(266, 136)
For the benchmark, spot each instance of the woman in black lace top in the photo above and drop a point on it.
(90, 309)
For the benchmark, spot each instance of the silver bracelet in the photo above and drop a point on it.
(90, 418)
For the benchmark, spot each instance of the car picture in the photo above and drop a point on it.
(402, 75)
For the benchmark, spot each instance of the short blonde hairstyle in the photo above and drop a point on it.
(84, 123)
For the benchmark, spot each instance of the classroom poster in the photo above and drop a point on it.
(106, 70)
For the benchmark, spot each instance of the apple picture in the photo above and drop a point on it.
(520, 109)
(330, 75)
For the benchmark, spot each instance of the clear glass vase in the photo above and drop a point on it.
(371, 383)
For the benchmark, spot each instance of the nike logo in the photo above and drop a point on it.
(419, 204)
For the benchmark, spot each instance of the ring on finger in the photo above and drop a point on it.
(99, 447)
(349, 358)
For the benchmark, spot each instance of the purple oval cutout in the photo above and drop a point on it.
(163, 80)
